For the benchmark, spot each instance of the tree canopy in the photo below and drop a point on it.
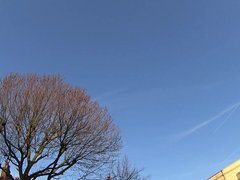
(49, 127)
(124, 170)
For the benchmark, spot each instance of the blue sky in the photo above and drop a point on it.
(167, 70)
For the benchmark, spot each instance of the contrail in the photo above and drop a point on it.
(226, 119)
(205, 123)
(111, 94)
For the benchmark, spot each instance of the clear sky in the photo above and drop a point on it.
(167, 70)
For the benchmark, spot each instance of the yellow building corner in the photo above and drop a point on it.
(231, 172)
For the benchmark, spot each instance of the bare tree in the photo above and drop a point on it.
(49, 128)
(123, 170)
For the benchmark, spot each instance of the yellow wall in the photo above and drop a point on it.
(228, 173)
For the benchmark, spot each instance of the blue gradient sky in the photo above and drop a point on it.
(168, 71)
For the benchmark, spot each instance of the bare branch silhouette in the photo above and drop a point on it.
(49, 127)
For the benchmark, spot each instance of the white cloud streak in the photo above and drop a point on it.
(110, 95)
(226, 119)
(197, 127)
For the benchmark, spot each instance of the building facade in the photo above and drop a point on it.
(231, 172)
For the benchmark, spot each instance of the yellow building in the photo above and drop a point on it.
(231, 172)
